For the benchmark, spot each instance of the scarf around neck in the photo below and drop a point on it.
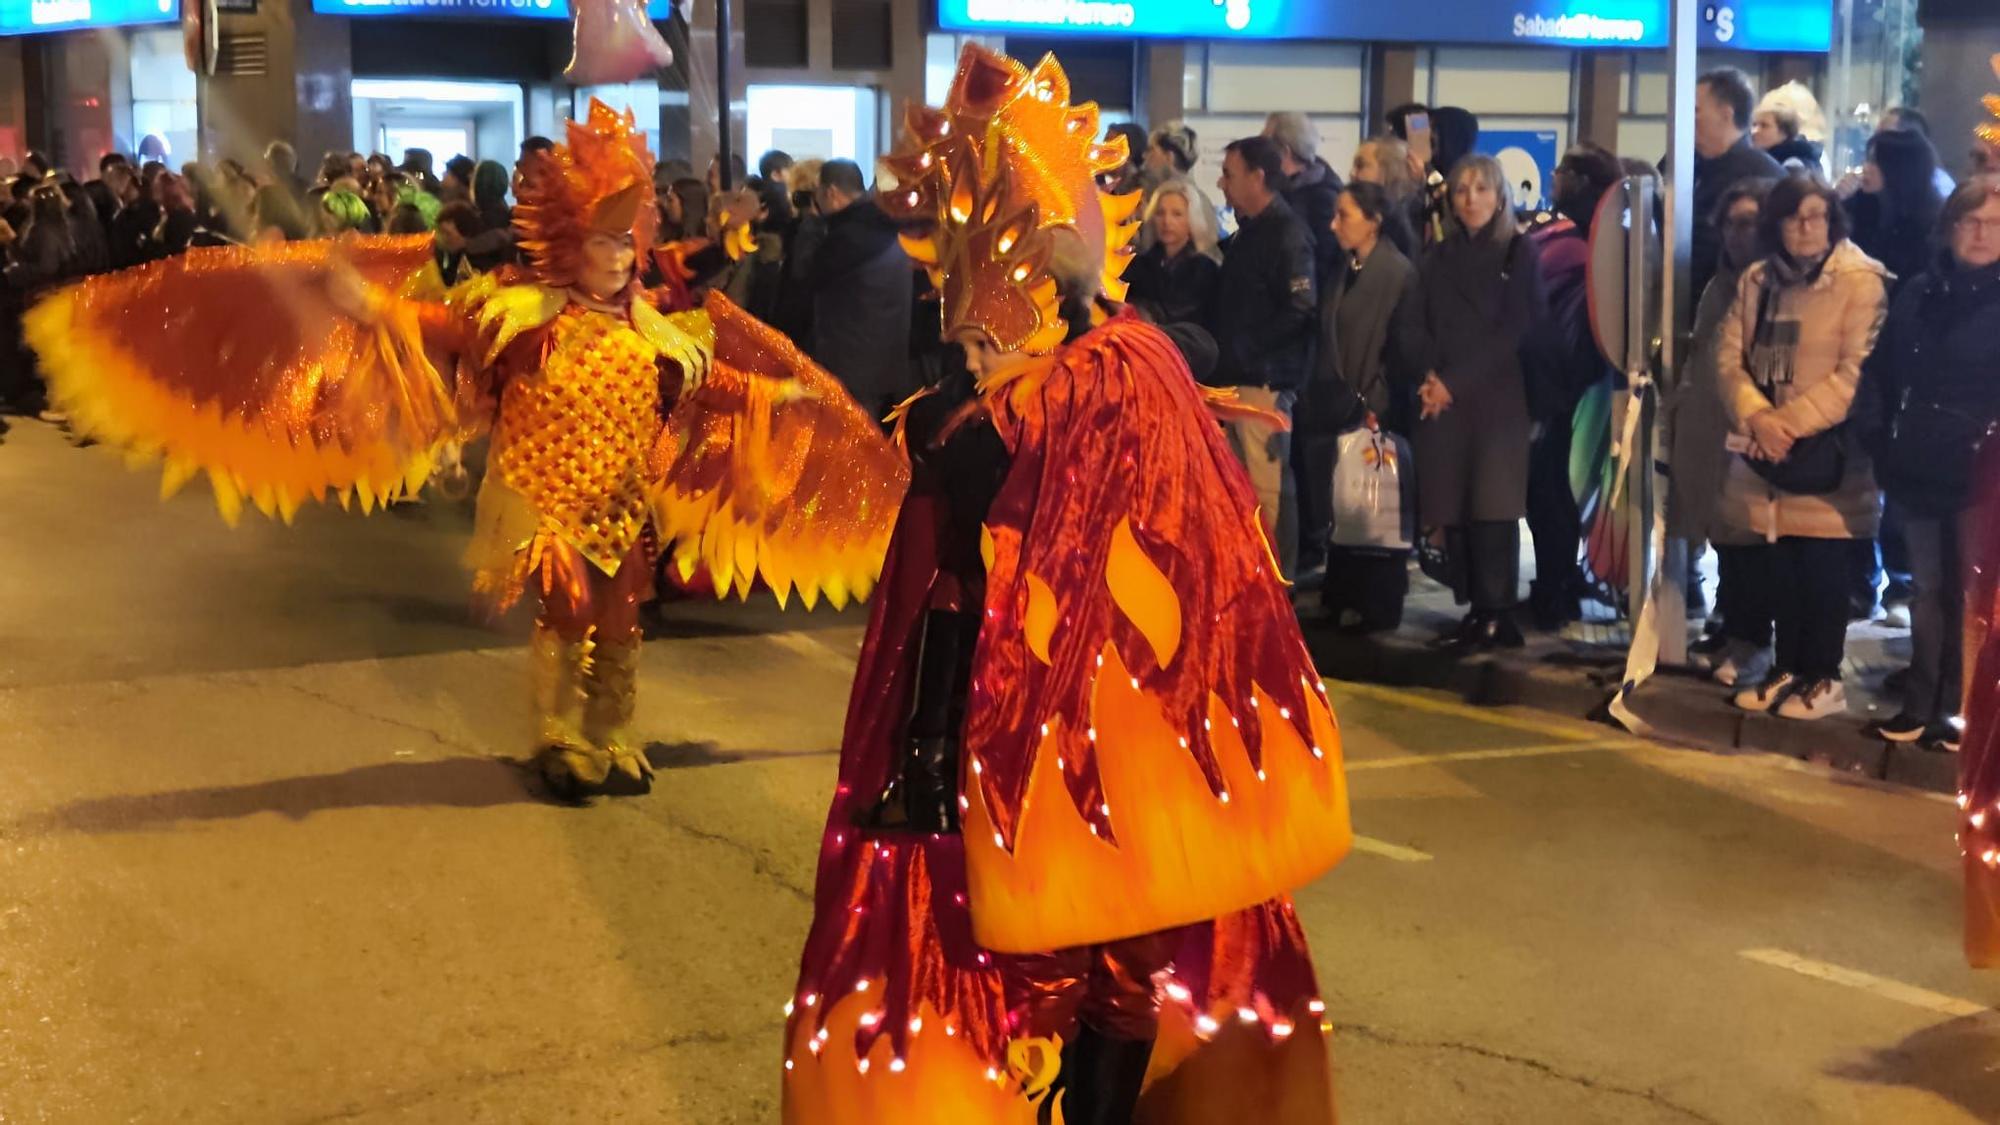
(1774, 346)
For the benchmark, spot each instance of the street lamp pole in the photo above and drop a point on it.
(723, 146)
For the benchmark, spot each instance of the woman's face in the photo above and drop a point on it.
(1739, 232)
(1352, 226)
(1975, 239)
(676, 213)
(1170, 222)
(607, 265)
(1159, 159)
(1805, 230)
(1367, 165)
(1871, 177)
(1475, 202)
(1764, 131)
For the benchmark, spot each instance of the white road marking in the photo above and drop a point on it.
(1487, 755)
(1390, 851)
(1866, 982)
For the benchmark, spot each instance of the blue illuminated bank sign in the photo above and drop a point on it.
(1744, 25)
(489, 9)
(19, 17)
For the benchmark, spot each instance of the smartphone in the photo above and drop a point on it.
(1418, 125)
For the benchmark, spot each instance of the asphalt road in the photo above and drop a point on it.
(267, 856)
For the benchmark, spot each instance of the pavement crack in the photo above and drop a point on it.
(760, 862)
(340, 704)
(1385, 1038)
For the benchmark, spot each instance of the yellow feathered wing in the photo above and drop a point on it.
(232, 362)
(769, 470)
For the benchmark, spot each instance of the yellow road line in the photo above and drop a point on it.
(1390, 851)
(1489, 755)
(1867, 982)
(1553, 725)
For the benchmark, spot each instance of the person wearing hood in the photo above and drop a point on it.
(1788, 362)
(860, 280)
(1311, 186)
(1894, 215)
(1928, 395)
(1789, 126)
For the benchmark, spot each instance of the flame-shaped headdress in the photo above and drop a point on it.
(991, 176)
(1990, 131)
(601, 181)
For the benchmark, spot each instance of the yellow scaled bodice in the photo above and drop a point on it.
(573, 437)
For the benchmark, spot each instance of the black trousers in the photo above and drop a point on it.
(1554, 521)
(1936, 650)
(1743, 593)
(1806, 582)
(1313, 455)
(1493, 564)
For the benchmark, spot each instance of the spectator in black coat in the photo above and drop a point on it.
(1266, 320)
(1482, 295)
(1928, 394)
(1894, 217)
(1723, 158)
(1311, 186)
(137, 220)
(860, 281)
(1174, 281)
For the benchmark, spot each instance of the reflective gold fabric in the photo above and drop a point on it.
(573, 436)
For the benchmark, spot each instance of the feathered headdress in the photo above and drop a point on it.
(601, 181)
(991, 177)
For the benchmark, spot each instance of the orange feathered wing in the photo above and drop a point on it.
(769, 470)
(232, 361)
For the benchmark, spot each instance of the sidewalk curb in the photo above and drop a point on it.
(1682, 707)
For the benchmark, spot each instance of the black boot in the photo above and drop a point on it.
(1102, 1077)
(1493, 571)
(922, 795)
(1467, 637)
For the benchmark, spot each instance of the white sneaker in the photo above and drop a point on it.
(1742, 664)
(1815, 700)
(1768, 694)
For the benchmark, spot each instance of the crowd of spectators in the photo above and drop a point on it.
(1819, 436)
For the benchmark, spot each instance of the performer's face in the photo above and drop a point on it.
(981, 357)
(607, 265)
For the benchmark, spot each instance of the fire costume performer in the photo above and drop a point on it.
(1086, 755)
(289, 371)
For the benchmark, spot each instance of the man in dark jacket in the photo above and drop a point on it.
(1267, 314)
(1311, 188)
(1723, 158)
(860, 283)
(131, 230)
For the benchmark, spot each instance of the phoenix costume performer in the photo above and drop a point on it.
(287, 372)
(1087, 755)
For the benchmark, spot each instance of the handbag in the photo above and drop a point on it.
(1814, 467)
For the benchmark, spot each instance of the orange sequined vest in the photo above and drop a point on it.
(573, 436)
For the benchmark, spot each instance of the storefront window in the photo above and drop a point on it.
(163, 97)
(641, 98)
(827, 122)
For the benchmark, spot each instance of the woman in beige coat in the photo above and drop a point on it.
(1788, 360)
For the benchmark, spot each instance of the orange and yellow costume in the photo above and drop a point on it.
(1142, 760)
(292, 372)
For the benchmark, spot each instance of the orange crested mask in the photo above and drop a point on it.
(600, 182)
(991, 178)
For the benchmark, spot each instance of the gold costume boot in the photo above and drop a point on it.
(610, 696)
(566, 758)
